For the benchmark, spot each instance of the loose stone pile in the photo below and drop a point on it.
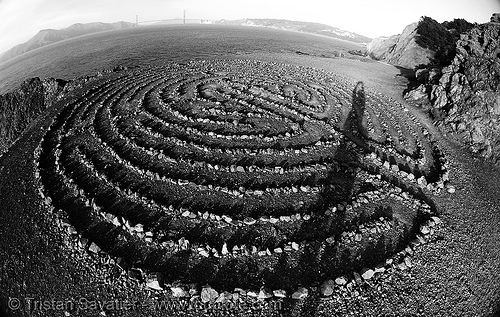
(239, 173)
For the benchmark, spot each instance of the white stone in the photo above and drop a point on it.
(279, 293)
(154, 285)
(341, 280)
(301, 293)
(367, 273)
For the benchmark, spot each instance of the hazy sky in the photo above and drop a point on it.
(22, 19)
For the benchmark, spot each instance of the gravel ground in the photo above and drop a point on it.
(456, 273)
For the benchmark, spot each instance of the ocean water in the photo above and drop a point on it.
(151, 45)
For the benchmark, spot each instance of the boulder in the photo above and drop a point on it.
(367, 273)
(439, 97)
(208, 294)
(154, 284)
(418, 94)
(400, 50)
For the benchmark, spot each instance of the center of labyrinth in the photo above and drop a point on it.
(239, 173)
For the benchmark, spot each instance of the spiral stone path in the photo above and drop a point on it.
(239, 173)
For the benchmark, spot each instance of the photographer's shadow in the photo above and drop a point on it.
(340, 188)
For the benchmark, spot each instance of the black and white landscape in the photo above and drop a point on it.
(251, 167)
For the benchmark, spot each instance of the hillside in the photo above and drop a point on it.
(49, 36)
(22, 106)
(299, 26)
(420, 43)
(400, 50)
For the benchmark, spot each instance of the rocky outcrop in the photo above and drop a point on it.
(400, 50)
(20, 107)
(465, 96)
(381, 47)
(495, 18)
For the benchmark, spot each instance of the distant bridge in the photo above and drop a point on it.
(171, 21)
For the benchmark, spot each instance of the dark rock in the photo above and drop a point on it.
(326, 289)
(358, 279)
(422, 75)
(194, 289)
(135, 274)
(20, 107)
(495, 17)
(464, 95)
(434, 75)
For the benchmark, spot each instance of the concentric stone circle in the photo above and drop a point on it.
(238, 172)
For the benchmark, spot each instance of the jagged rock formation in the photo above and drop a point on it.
(465, 96)
(495, 18)
(400, 50)
(49, 36)
(20, 107)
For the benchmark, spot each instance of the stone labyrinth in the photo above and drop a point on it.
(239, 173)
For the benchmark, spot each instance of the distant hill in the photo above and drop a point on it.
(49, 36)
(421, 43)
(299, 26)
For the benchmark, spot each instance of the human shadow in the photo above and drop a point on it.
(317, 263)
(353, 145)
(355, 123)
(338, 192)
